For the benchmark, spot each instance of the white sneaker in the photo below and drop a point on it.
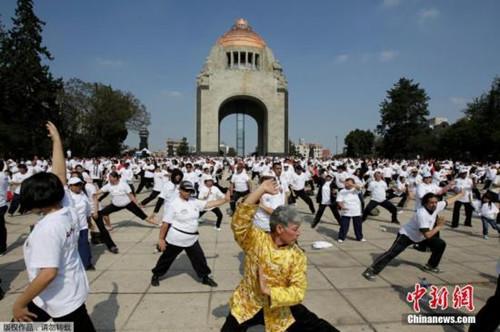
(363, 240)
(217, 228)
(399, 212)
(485, 237)
(340, 241)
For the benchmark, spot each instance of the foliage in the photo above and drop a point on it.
(359, 143)
(183, 148)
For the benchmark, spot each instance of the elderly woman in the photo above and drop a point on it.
(58, 284)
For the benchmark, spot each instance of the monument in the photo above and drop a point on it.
(241, 76)
(143, 135)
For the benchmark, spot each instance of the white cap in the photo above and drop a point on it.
(427, 174)
(74, 180)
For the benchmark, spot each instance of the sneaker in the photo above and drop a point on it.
(201, 221)
(155, 281)
(217, 228)
(484, 237)
(369, 275)
(429, 268)
(400, 211)
(3, 253)
(90, 268)
(114, 250)
(208, 281)
(363, 240)
(395, 222)
(340, 240)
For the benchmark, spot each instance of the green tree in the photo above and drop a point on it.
(29, 89)
(232, 152)
(404, 115)
(183, 148)
(359, 143)
(96, 117)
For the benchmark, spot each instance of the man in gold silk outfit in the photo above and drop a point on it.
(274, 281)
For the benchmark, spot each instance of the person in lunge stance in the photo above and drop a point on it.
(274, 280)
(179, 231)
(424, 226)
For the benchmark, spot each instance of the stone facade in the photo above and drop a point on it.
(241, 75)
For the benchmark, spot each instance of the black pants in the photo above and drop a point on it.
(456, 213)
(80, 317)
(16, 201)
(488, 319)
(386, 205)
(145, 182)
(305, 321)
(217, 212)
(403, 199)
(132, 188)
(105, 236)
(236, 196)
(98, 182)
(194, 253)
(3, 229)
(344, 227)
(402, 241)
(159, 204)
(132, 207)
(302, 194)
(151, 196)
(321, 209)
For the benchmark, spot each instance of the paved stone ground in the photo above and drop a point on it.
(122, 299)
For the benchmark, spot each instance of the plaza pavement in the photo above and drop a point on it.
(121, 298)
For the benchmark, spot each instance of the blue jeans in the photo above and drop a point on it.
(84, 248)
(487, 221)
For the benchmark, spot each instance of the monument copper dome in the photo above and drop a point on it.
(241, 34)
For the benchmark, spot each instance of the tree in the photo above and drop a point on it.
(232, 152)
(359, 143)
(183, 148)
(96, 117)
(29, 89)
(404, 115)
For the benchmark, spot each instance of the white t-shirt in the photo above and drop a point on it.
(19, 178)
(119, 193)
(261, 217)
(82, 208)
(298, 182)
(149, 171)
(240, 181)
(183, 217)
(4, 184)
(465, 185)
(377, 190)
(191, 177)
(326, 193)
(53, 243)
(210, 194)
(489, 211)
(126, 175)
(424, 188)
(351, 201)
(158, 181)
(422, 219)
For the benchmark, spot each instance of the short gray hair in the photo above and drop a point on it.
(283, 215)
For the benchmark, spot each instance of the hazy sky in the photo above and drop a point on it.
(340, 57)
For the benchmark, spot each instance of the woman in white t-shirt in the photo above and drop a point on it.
(350, 208)
(121, 198)
(58, 284)
(209, 192)
(489, 213)
(179, 232)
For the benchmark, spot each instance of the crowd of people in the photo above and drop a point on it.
(69, 193)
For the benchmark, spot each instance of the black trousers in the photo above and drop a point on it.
(344, 227)
(488, 319)
(105, 236)
(402, 241)
(194, 253)
(402, 201)
(385, 204)
(302, 194)
(159, 204)
(321, 209)
(132, 207)
(145, 182)
(305, 321)
(16, 201)
(98, 182)
(3, 229)
(132, 188)
(236, 196)
(217, 212)
(80, 317)
(456, 213)
(151, 196)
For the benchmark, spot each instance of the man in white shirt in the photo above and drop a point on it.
(465, 184)
(377, 189)
(240, 185)
(147, 177)
(209, 192)
(423, 227)
(297, 183)
(96, 172)
(326, 197)
(17, 180)
(4, 184)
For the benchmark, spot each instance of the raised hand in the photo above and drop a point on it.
(53, 132)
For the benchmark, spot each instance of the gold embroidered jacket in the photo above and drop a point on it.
(284, 267)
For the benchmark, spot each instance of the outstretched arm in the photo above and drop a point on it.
(58, 161)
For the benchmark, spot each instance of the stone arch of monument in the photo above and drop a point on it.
(252, 107)
(241, 75)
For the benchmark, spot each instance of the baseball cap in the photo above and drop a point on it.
(74, 180)
(427, 174)
(186, 186)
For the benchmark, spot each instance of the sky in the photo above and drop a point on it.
(339, 56)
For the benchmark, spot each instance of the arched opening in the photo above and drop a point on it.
(251, 107)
